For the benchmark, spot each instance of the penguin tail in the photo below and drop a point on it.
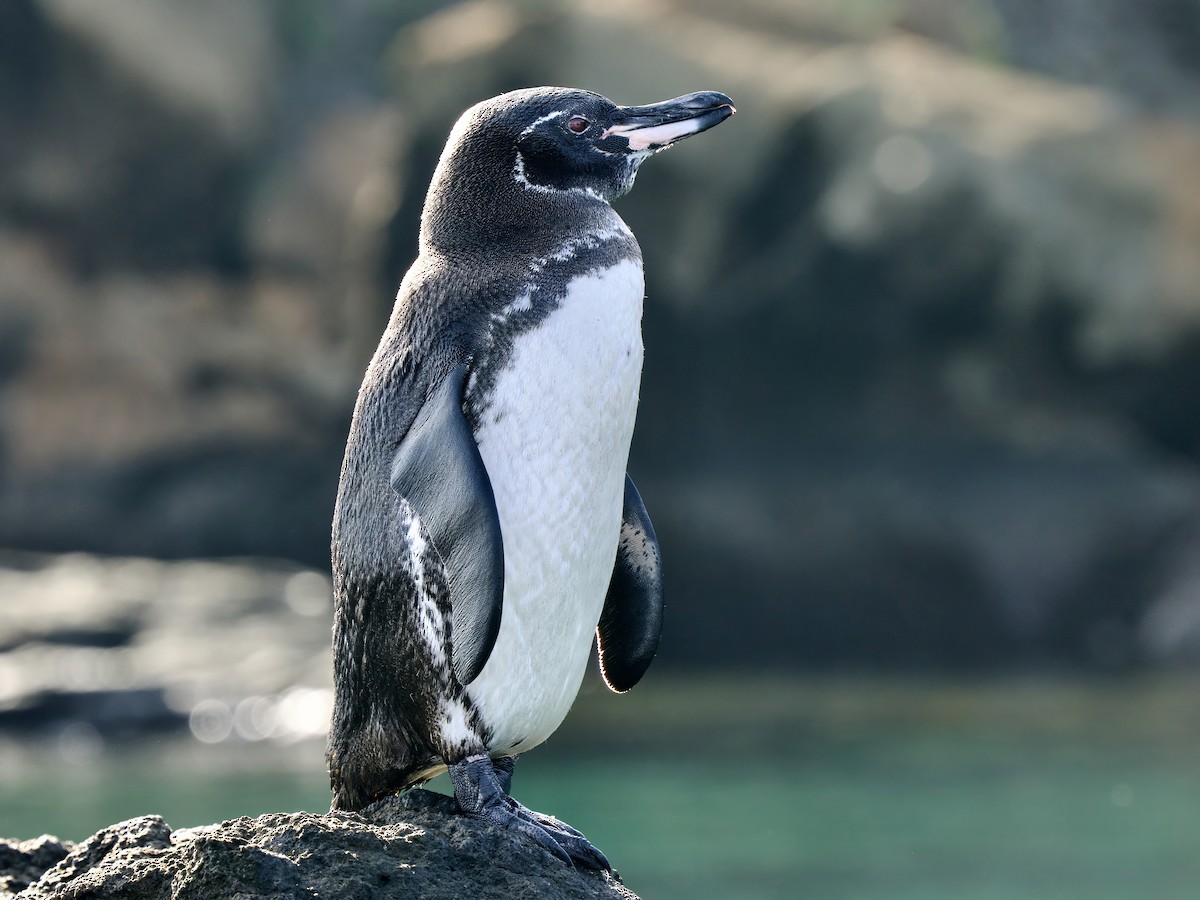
(360, 774)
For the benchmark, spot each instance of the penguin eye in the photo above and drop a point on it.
(578, 124)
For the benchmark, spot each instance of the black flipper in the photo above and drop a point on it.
(631, 623)
(439, 471)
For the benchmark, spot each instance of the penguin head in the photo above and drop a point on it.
(580, 141)
(510, 156)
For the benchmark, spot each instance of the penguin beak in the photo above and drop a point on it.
(653, 127)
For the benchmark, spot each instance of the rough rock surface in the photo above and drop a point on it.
(410, 846)
(24, 862)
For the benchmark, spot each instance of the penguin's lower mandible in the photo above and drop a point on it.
(485, 527)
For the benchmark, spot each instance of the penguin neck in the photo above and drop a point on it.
(473, 210)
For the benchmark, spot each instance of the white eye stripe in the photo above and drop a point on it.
(546, 118)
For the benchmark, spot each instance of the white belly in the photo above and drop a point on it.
(555, 441)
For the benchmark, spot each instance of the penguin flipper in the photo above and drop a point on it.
(439, 471)
(631, 623)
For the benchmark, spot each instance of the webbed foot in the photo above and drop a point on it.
(481, 789)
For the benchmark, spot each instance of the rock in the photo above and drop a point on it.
(188, 446)
(1147, 53)
(415, 845)
(24, 862)
(92, 116)
(173, 119)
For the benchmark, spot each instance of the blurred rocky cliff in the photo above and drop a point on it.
(922, 328)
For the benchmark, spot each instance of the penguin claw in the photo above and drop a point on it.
(543, 820)
(577, 847)
(543, 837)
(503, 767)
(480, 795)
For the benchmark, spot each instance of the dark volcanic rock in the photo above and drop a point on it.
(24, 862)
(411, 846)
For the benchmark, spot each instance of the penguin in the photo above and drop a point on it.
(485, 528)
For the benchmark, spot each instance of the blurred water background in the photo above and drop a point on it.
(920, 426)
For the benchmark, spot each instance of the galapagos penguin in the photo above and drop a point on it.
(485, 527)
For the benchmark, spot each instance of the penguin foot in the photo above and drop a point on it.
(481, 792)
(503, 766)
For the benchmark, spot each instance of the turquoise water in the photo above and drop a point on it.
(780, 787)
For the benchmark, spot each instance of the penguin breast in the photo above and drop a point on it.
(555, 440)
